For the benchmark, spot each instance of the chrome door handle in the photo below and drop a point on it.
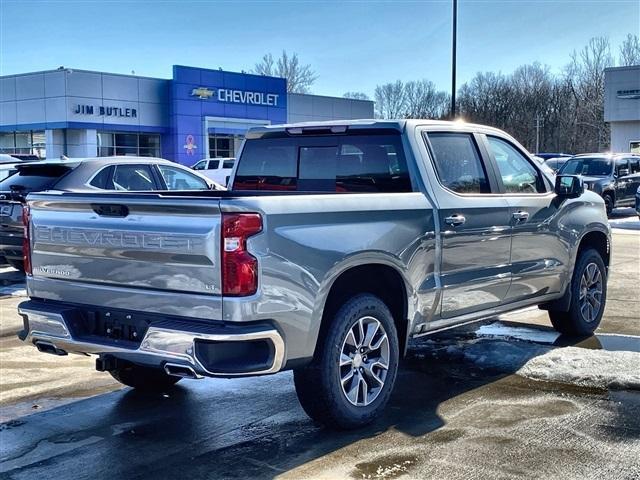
(520, 216)
(455, 220)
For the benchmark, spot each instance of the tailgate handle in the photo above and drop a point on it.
(110, 210)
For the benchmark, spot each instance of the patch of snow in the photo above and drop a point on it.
(500, 330)
(587, 368)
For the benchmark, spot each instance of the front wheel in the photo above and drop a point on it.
(350, 380)
(608, 204)
(588, 296)
(148, 379)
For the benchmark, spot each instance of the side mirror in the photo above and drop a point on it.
(623, 172)
(569, 186)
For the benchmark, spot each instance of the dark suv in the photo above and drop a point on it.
(615, 177)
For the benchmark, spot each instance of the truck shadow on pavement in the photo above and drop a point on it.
(254, 427)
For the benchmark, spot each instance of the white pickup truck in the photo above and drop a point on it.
(217, 169)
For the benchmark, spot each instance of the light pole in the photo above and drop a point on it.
(453, 60)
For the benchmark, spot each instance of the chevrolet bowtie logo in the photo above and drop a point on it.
(202, 92)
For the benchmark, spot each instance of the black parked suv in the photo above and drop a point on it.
(615, 177)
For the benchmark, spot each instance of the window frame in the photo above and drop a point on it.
(494, 166)
(481, 148)
(154, 176)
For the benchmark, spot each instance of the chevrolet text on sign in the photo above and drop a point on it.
(236, 96)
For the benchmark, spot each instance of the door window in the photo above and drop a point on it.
(201, 165)
(518, 174)
(133, 177)
(458, 164)
(178, 179)
(622, 167)
(634, 165)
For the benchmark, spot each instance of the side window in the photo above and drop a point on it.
(201, 165)
(518, 174)
(634, 165)
(103, 179)
(133, 177)
(458, 164)
(213, 165)
(622, 165)
(228, 163)
(178, 179)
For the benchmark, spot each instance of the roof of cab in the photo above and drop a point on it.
(399, 125)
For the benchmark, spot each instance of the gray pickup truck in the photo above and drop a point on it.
(336, 244)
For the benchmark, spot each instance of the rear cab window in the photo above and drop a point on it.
(332, 163)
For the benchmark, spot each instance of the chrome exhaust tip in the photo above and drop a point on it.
(182, 371)
(46, 347)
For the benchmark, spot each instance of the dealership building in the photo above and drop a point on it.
(622, 107)
(198, 113)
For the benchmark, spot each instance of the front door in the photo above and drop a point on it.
(539, 259)
(474, 226)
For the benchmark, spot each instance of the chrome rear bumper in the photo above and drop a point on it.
(48, 327)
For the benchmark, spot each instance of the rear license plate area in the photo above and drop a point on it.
(113, 327)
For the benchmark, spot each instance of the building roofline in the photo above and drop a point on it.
(71, 70)
(329, 96)
(627, 67)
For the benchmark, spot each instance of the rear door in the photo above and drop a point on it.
(634, 177)
(539, 258)
(622, 181)
(474, 222)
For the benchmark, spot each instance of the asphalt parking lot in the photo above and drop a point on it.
(503, 398)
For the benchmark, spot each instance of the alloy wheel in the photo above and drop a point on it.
(364, 361)
(591, 292)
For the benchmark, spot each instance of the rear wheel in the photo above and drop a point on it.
(350, 381)
(588, 296)
(148, 379)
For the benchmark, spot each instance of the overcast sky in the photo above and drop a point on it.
(352, 46)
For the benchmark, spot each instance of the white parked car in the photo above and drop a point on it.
(7, 165)
(217, 169)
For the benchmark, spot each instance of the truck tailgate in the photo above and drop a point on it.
(126, 241)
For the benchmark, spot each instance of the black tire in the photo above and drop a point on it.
(148, 379)
(608, 203)
(319, 385)
(575, 321)
(17, 264)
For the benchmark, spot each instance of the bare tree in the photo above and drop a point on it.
(390, 100)
(630, 51)
(299, 77)
(422, 100)
(356, 95)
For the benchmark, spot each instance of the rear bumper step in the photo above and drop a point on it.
(185, 349)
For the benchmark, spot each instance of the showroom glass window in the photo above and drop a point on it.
(224, 145)
(128, 144)
(30, 142)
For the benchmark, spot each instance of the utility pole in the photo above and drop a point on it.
(453, 60)
(538, 125)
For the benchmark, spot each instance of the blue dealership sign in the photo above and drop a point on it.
(198, 93)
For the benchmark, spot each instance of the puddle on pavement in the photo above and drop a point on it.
(536, 334)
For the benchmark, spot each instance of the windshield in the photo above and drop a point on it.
(33, 178)
(589, 166)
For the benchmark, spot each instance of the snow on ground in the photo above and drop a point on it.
(500, 330)
(586, 368)
(604, 361)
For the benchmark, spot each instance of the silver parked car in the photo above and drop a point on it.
(102, 173)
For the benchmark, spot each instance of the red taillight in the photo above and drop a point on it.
(239, 267)
(26, 243)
